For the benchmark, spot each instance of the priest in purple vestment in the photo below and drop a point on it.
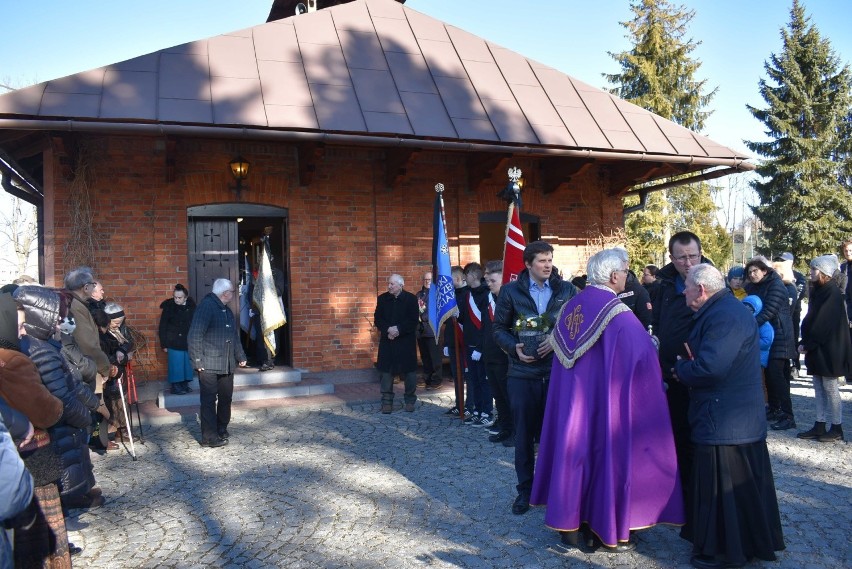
(606, 463)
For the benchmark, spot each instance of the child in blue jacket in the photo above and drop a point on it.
(767, 334)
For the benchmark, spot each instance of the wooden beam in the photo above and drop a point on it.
(65, 150)
(481, 167)
(308, 154)
(624, 176)
(553, 172)
(397, 161)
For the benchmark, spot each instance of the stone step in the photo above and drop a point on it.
(282, 390)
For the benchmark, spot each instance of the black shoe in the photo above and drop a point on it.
(622, 547)
(835, 433)
(186, 387)
(500, 437)
(774, 414)
(214, 444)
(510, 442)
(73, 549)
(177, 389)
(521, 505)
(224, 435)
(710, 562)
(814, 433)
(265, 367)
(784, 423)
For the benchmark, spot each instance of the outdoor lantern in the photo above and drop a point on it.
(239, 168)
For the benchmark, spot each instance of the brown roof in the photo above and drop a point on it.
(370, 67)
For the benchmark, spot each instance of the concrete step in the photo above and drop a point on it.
(304, 388)
(251, 384)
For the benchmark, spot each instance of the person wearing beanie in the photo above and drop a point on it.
(826, 346)
(735, 282)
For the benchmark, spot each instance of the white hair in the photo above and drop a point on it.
(397, 279)
(112, 308)
(221, 285)
(623, 252)
(600, 267)
(707, 276)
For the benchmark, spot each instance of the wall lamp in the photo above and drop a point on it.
(240, 169)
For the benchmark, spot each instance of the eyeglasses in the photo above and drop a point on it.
(685, 258)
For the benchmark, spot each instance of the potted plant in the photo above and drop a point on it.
(532, 331)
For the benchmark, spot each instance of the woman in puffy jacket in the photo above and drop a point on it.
(41, 308)
(765, 282)
(174, 329)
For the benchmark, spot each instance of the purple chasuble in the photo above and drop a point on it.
(607, 454)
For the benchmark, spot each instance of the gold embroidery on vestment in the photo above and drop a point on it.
(573, 321)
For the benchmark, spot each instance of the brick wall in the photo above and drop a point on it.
(348, 232)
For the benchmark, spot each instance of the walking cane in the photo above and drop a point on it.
(133, 397)
(126, 418)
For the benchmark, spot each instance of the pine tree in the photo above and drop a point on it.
(805, 187)
(659, 74)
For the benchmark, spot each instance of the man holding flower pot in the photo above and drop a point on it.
(532, 301)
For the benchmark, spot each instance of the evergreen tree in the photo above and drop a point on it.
(659, 74)
(805, 204)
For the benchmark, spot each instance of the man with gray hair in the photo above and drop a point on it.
(606, 392)
(397, 316)
(732, 474)
(81, 283)
(215, 351)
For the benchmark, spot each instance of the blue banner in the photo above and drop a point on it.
(442, 294)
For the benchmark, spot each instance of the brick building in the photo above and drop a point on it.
(348, 117)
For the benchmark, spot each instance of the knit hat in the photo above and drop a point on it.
(736, 273)
(826, 264)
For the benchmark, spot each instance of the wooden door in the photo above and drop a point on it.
(212, 255)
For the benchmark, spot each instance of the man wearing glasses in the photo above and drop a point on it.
(672, 319)
(215, 351)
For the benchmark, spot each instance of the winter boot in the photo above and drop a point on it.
(835, 433)
(816, 432)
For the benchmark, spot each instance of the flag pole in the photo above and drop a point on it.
(459, 378)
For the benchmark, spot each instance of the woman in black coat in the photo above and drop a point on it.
(174, 329)
(765, 283)
(825, 344)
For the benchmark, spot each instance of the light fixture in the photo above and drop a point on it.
(239, 168)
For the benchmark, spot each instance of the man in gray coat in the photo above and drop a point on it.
(215, 351)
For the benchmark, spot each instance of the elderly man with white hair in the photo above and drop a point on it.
(734, 510)
(397, 316)
(215, 351)
(606, 463)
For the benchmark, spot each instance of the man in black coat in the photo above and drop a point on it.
(538, 291)
(634, 295)
(397, 317)
(672, 321)
(215, 351)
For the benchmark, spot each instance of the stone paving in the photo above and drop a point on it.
(345, 486)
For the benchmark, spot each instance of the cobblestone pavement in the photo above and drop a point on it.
(346, 486)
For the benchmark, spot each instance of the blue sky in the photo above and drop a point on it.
(45, 39)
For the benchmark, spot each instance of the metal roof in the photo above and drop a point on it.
(369, 67)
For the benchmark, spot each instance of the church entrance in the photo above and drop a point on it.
(225, 242)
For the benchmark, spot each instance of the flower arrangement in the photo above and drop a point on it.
(538, 323)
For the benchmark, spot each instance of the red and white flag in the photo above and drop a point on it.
(513, 252)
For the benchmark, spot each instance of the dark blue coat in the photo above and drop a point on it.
(726, 404)
(776, 310)
(515, 300)
(671, 317)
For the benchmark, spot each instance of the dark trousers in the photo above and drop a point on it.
(677, 395)
(527, 398)
(454, 372)
(386, 382)
(496, 371)
(215, 416)
(477, 384)
(778, 377)
(430, 355)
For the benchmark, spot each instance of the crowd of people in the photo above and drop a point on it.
(580, 372)
(573, 377)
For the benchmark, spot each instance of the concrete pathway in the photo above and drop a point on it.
(341, 485)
